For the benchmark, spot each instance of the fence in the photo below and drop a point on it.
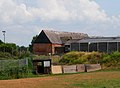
(4, 64)
(12, 69)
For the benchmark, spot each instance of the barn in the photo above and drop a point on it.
(53, 42)
(101, 44)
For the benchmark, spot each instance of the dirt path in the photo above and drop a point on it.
(61, 81)
(26, 83)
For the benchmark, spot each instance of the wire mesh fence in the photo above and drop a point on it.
(13, 63)
(10, 69)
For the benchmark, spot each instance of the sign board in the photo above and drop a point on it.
(46, 63)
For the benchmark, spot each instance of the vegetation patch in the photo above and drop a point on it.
(81, 58)
(106, 60)
(81, 80)
(98, 83)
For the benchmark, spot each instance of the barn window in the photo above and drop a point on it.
(112, 46)
(92, 47)
(84, 47)
(103, 46)
(74, 46)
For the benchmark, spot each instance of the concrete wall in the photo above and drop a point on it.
(75, 68)
(69, 69)
(92, 67)
(80, 68)
(56, 69)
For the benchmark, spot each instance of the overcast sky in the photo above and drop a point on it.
(23, 19)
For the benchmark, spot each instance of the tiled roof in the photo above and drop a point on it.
(55, 36)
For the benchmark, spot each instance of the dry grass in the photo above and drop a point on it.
(83, 80)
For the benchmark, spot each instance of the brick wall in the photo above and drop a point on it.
(53, 47)
(44, 49)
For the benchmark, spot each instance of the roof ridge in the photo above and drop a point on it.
(57, 32)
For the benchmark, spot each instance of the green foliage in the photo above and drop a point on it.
(81, 57)
(106, 60)
(55, 59)
(6, 55)
(10, 69)
(8, 51)
(97, 83)
(24, 54)
(7, 47)
(111, 60)
(1, 42)
(31, 45)
(11, 51)
(13, 73)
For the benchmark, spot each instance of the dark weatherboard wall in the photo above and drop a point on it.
(108, 45)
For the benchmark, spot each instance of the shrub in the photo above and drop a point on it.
(94, 57)
(13, 73)
(24, 54)
(111, 60)
(81, 57)
(5, 55)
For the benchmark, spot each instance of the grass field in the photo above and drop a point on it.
(106, 79)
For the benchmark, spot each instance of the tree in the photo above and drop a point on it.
(31, 45)
(1, 42)
(8, 47)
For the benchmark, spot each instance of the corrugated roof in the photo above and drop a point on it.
(71, 41)
(101, 39)
(55, 36)
(52, 36)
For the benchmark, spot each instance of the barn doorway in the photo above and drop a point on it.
(59, 50)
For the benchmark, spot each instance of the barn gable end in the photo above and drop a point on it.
(42, 38)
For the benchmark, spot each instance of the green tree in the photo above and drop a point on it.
(31, 45)
(8, 47)
(1, 42)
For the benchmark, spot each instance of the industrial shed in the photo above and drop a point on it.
(49, 41)
(101, 44)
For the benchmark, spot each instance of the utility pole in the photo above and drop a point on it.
(4, 38)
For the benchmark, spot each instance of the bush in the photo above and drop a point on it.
(5, 55)
(24, 54)
(81, 57)
(93, 57)
(15, 69)
(13, 73)
(111, 60)
(71, 58)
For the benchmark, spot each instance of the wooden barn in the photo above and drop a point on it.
(52, 42)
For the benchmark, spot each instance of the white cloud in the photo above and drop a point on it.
(68, 10)
(47, 10)
(11, 12)
(28, 17)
